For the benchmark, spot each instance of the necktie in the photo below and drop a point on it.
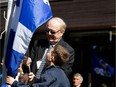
(42, 63)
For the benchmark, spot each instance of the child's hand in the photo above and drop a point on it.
(10, 80)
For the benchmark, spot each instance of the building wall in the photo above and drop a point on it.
(79, 14)
(86, 14)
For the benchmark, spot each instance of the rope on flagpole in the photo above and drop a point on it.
(4, 29)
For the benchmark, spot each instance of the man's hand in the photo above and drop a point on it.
(31, 76)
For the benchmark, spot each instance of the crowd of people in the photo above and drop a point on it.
(48, 63)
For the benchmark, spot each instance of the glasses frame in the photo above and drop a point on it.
(51, 31)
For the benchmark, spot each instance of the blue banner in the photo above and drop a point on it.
(101, 67)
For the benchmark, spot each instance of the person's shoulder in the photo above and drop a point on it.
(19, 84)
(66, 45)
(52, 68)
(41, 42)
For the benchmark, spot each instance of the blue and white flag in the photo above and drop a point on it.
(27, 16)
(101, 67)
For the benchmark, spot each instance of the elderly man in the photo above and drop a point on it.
(77, 80)
(55, 29)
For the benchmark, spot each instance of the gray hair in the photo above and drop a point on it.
(79, 75)
(61, 23)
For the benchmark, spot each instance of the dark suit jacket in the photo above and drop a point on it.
(38, 49)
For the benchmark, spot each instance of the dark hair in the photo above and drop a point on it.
(61, 55)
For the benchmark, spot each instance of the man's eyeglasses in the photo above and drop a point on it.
(51, 31)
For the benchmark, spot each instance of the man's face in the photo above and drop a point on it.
(53, 32)
(76, 80)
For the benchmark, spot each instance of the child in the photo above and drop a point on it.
(53, 76)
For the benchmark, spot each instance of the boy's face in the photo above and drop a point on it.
(50, 57)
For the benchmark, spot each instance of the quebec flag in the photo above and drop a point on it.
(27, 16)
(101, 67)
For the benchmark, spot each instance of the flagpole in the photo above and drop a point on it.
(7, 24)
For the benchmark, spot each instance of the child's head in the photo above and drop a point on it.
(58, 55)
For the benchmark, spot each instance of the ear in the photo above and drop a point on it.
(52, 58)
(61, 33)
